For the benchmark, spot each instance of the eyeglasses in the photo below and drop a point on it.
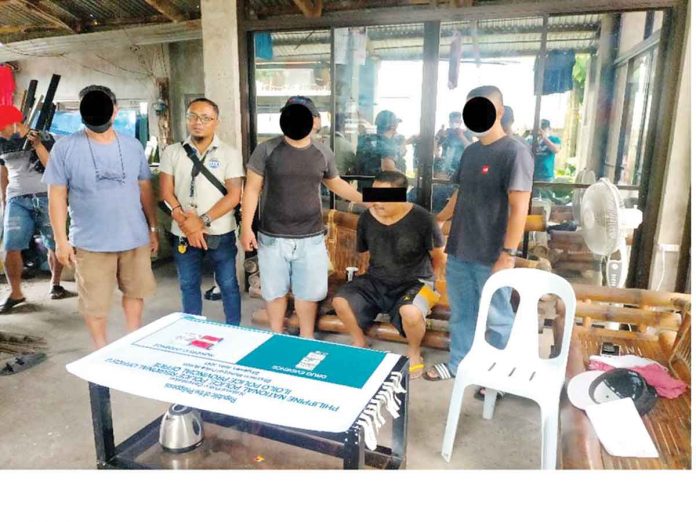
(205, 120)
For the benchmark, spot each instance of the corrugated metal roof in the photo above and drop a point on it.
(11, 14)
(142, 35)
(85, 15)
(105, 9)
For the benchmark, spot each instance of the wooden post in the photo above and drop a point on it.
(164, 120)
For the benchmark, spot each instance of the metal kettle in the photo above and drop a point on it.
(181, 429)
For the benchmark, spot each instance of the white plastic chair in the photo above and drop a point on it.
(517, 369)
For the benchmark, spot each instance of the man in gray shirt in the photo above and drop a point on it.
(25, 199)
(488, 212)
(286, 173)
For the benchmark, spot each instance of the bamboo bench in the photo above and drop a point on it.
(340, 242)
(660, 329)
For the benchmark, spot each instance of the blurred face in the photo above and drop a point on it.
(386, 210)
(456, 122)
(7, 131)
(201, 120)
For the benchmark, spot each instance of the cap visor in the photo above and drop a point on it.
(579, 389)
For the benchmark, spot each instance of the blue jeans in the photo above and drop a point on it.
(23, 215)
(189, 267)
(465, 282)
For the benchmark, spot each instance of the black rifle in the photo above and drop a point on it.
(29, 99)
(46, 109)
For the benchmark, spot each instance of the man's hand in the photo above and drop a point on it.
(197, 240)
(154, 242)
(34, 139)
(179, 216)
(192, 224)
(65, 253)
(248, 240)
(504, 261)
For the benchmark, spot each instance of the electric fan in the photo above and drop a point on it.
(605, 224)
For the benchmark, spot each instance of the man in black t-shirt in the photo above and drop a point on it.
(283, 180)
(405, 245)
(488, 212)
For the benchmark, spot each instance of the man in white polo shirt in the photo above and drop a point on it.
(201, 181)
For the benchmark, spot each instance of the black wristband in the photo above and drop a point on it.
(510, 251)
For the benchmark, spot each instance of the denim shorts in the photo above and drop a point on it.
(298, 265)
(24, 215)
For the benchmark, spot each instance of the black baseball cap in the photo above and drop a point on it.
(302, 100)
(596, 387)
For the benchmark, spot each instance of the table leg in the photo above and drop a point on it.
(400, 424)
(354, 448)
(100, 401)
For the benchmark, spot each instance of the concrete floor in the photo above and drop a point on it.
(46, 421)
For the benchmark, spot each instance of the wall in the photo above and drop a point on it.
(186, 80)
(676, 192)
(632, 30)
(130, 74)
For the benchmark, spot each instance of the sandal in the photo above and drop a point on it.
(10, 303)
(441, 373)
(415, 371)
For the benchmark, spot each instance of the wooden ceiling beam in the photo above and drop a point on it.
(21, 29)
(120, 22)
(310, 8)
(168, 9)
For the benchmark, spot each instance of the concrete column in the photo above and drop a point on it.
(600, 121)
(676, 193)
(221, 78)
(221, 65)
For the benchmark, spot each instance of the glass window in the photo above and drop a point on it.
(290, 64)
(580, 88)
(378, 96)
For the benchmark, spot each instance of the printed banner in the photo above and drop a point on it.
(257, 375)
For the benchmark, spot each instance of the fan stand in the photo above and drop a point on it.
(615, 273)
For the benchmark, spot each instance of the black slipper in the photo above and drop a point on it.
(10, 303)
(213, 294)
(23, 362)
(58, 292)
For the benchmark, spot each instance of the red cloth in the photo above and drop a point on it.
(10, 114)
(655, 375)
(7, 85)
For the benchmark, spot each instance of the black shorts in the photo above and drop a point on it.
(369, 297)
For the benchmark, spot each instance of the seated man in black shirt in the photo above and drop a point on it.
(405, 245)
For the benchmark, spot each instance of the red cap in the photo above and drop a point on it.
(9, 114)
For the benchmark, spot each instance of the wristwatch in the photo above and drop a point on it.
(509, 251)
(206, 219)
